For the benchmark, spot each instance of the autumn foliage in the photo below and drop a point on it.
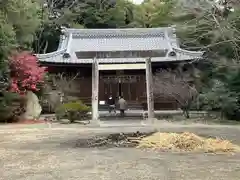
(26, 72)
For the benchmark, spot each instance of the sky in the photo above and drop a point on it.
(137, 1)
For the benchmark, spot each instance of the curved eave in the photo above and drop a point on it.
(190, 54)
(56, 56)
(60, 59)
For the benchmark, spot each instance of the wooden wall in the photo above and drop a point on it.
(133, 91)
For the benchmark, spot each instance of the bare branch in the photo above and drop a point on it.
(176, 86)
(62, 81)
(212, 22)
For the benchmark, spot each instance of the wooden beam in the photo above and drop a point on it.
(95, 87)
(149, 83)
(122, 66)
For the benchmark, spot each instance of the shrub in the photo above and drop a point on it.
(74, 110)
(11, 106)
(220, 98)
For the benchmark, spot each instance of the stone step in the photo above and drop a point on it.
(129, 114)
(130, 106)
(118, 117)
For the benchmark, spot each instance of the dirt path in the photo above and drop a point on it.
(50, 154)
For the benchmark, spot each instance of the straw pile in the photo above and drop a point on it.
(186, 142)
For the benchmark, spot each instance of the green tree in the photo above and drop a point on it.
(123, 14)
(19, 19)
(79, 14)
(214, 28)
(154, 13)
(54, 15)
(18, 23)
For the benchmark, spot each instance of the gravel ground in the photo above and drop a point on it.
(50, 153)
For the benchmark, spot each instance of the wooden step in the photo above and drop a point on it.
(129, 106)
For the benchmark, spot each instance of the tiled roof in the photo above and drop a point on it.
(118, 43)
(103, 40)
(119, 39)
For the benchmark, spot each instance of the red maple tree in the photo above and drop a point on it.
(26, 72)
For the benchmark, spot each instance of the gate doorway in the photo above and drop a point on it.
(122, 85)
(109, 67)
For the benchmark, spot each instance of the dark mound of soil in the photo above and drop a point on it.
(112, 140)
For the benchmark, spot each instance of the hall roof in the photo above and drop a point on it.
(119, 46)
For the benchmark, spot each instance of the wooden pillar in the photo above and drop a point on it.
(95, 89)
(149, 83)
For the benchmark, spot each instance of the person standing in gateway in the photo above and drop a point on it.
(111, 104)
(122, 105)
